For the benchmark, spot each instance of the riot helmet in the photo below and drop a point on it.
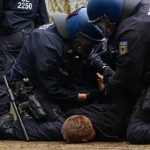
(109, 13)
(86, 38)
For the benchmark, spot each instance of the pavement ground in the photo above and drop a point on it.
(21, 145)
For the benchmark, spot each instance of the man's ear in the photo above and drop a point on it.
(84, 140)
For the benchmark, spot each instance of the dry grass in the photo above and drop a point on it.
(63, 6)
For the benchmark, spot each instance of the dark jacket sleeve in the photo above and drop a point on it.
(42, 11)
(130, 66)
(96, 63)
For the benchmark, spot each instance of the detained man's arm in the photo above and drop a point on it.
(82, 97)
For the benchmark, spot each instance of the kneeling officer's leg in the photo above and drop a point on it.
(37, 130)
(139, 126)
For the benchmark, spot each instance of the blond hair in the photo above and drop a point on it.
(76, 128)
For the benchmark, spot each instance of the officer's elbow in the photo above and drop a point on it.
(137, 135)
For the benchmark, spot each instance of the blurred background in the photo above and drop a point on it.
(64, 6)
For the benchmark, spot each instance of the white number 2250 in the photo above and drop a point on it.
(25, 4)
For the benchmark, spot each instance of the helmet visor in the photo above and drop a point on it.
(107, 24)
(85, 46)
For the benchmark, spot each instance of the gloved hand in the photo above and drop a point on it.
(107, 89)
(93, 95)
(107, 73)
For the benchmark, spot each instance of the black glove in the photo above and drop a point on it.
(107, 89)
(94, 95)
(107, 73)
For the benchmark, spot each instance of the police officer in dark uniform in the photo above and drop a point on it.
(127, 21)
(56, 63)
(56, 66)
(17, 18)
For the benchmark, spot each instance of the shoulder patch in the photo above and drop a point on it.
(123, 47)
(74, 12)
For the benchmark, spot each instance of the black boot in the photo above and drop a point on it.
(5, 126)
(6, 133)
(6, 120)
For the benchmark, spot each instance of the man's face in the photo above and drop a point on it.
(92, 136)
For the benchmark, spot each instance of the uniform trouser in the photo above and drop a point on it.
(138, 131)
(10, 46)
(39, 130)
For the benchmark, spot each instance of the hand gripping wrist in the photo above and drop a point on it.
(108, 87)
(107, 73)
(94, 95)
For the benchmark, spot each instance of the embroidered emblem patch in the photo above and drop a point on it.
(123, 47)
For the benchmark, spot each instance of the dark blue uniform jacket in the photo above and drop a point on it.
(17, 14)
(133, 45)
(44, 60)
